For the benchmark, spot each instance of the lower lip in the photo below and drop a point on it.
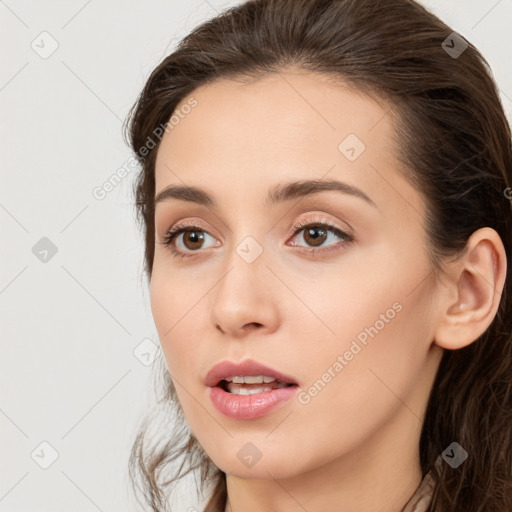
(248, 407)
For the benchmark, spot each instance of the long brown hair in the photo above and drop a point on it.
(454, 141)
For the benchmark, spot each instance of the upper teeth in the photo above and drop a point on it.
(256, 379)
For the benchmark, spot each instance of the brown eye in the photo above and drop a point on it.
(315, 235)
(193, 240)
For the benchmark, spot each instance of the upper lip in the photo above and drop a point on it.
(248, 368)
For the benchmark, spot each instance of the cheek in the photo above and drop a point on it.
(358, 373)
(348, 399)
(178, 311)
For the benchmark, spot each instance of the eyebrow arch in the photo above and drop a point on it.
(280, 193)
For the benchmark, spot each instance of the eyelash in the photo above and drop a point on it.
(294, 231)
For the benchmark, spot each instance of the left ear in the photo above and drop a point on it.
(475, 284)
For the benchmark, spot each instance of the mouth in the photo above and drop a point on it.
(248, 374)
(248, 390)
(252, 385)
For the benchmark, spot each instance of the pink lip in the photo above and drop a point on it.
(246, 407)
(248, 367)
(249, 407)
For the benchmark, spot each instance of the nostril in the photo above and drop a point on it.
(252, 325)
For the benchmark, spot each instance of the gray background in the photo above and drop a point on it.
(77, 332)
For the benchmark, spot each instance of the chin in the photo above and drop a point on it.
(266, 467)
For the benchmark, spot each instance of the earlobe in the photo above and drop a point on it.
(476, 281)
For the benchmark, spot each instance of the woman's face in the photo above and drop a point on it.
(348, 317)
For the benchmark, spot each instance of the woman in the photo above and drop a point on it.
(328, 230)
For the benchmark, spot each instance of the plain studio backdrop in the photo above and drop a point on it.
(77, 332)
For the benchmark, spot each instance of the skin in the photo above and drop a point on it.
(355, 445)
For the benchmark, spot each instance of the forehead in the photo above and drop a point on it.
(246, 137)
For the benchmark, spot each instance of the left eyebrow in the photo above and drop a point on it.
(278, 194)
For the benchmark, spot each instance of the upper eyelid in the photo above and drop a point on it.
(320, 217)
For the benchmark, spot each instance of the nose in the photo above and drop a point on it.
(245, 300)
